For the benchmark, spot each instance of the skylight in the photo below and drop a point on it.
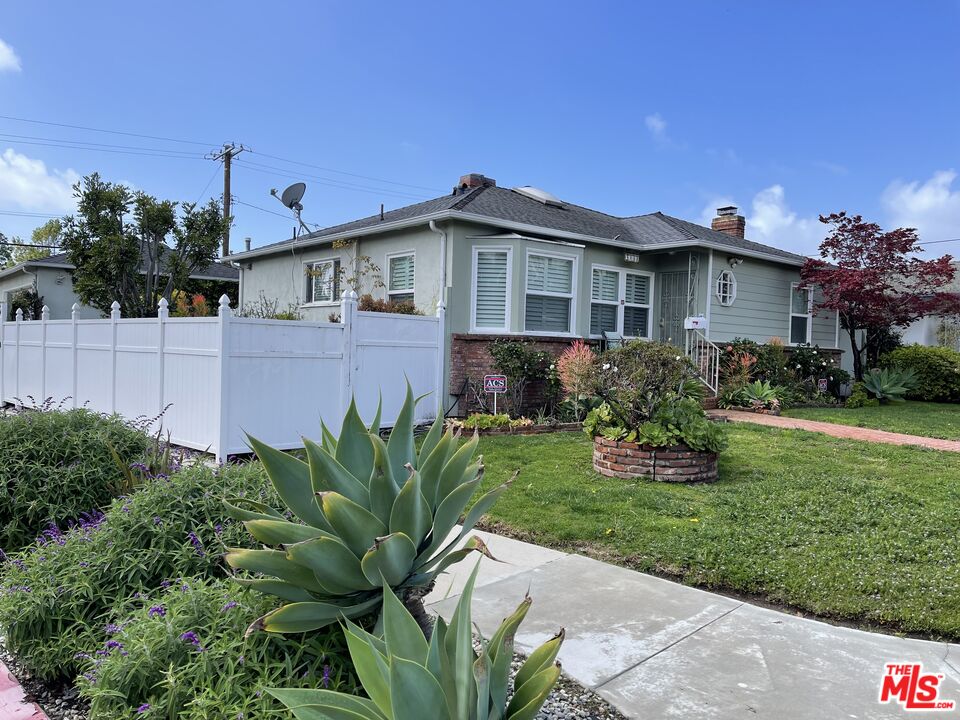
(539, 195)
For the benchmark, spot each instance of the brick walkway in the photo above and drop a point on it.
(841, 431)
(13, 705)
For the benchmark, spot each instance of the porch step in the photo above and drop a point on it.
(709, 402)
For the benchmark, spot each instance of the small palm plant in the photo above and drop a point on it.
(408, 677)
(365, 512)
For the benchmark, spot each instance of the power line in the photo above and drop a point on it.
(205, 187)
(102, 130)
(272, 212)
(934, 242)
(163, 153)
(343, 172)
(17, 213)
(189, 153)
(329, 182)
(30, 245)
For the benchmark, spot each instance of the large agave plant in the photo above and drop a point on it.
(364, 513)
(408, 677)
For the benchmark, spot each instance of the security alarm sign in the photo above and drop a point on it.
(495, 383)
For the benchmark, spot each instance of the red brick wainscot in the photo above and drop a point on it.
(677, 463)
(470, 360)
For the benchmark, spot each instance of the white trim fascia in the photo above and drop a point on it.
(508, 295)
(401, 253)
(572, 295)
(511, 225)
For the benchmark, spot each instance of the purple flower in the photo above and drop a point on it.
(191, 637)
(157, 520)
(143, 708)
(112, 629)
(113, 645)
(165, 584)
(229, 606)
(218, 528)
(197, 545)
(326, 676)
(157, 611)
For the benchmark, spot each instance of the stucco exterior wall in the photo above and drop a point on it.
(54, 286)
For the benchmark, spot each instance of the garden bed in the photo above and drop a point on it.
(629, 461)
(526, 429)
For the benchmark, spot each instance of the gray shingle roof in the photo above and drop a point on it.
(215, 270)
(496, 203)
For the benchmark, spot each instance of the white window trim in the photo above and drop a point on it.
(402, 253)
(621, 299)
(808, 315)
(508, 305)
(733, 288)
(309, 265)
(572, 295)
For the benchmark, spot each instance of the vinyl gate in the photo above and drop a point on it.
(216, 378)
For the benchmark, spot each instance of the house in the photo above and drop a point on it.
(521, 263)
(50, 280)
(934, 330)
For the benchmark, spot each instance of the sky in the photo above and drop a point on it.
(787, 110)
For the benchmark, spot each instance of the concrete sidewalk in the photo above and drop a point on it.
(657, 649)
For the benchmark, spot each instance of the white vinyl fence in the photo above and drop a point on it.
(221, 377)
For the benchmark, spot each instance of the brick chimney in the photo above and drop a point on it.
(472, 180)
(729, 221)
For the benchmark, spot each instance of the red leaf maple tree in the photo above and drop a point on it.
(874, 281)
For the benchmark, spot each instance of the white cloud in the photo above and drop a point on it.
(8, 58)
(771, 221)
(657, 126)
(27, 184)
(932, 207)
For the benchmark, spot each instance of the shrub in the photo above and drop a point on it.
(937, 370)
(859, 398)
(887, 384)
(264, 308)
(371, 304)
(55, 595)
(372, 513)
(183, 654)
(57, 465)
(443, 678)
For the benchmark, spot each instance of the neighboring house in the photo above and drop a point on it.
(932, 330)
(521, 263)
(51, 278)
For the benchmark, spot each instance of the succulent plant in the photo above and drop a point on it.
(408, 677)
(364, 513)
(889, 384)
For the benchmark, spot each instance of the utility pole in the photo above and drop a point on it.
(226, 154)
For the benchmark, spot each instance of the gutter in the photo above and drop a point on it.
(443, 262)
(512, 225)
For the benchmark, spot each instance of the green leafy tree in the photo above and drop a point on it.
(42, 240)
(6, 253)
(133, 248)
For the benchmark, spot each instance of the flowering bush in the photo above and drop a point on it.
(55, 465)
(56, 595)
(182, 653)
(651, 396)
(523, 365)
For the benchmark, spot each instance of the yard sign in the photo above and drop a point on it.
(495, 384)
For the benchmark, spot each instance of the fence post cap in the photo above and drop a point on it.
(349, 295)
(45, 312)
(163, 303)
(114, 305)
(224, 305)
(19, 314)
(75, 307)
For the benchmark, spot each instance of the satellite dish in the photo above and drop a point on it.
(292, 196)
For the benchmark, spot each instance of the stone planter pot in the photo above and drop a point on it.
(678, 463)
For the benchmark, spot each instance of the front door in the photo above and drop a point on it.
(673, 306)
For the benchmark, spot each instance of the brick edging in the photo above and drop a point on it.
(676, 463)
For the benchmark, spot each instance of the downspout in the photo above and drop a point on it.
(442, 300)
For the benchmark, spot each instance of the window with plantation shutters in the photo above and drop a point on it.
(620, 302)
(491, 287)
(400, 275)
(604, 301)
(323, 281)
(549, 296)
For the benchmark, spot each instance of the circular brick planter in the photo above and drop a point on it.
(678, 463)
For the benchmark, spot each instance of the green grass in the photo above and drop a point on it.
(855, 531)
(935, 420)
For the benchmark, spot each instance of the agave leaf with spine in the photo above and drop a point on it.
(408, 677)
(361, 512)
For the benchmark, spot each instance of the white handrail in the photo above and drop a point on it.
(705, 356)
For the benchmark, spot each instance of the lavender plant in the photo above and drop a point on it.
(57, 594)
(58, 464)
(182, 653)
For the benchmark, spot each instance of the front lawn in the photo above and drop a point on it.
(856, 531)
(935, 420)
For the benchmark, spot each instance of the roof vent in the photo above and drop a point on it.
(539, 195)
